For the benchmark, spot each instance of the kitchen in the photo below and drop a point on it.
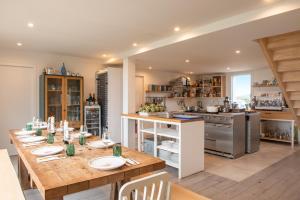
(199, 101)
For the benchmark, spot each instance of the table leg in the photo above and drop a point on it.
(115, 189)
(23, 175)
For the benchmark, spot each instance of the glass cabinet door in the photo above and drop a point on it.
(74, 101)
(54, 104)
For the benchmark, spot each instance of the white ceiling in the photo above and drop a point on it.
(215, 52)
(94, 27)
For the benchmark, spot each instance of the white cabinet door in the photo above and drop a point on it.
(18, 100)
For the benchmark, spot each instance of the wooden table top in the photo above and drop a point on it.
(73, 174)
(157, 118)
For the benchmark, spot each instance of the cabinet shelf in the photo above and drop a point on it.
(165, 132)
(275, 139)
(56, 100)
(173, 150)
(170, 163)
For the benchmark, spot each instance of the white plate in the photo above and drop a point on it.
(61, 130)
(40, 127)
(32, 139)
(24, 132)
(76, 135)
(47, 150)
(107, 162)
(99, 144)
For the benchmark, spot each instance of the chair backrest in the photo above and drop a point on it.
(154, 187)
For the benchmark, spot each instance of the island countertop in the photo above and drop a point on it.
(160, 118)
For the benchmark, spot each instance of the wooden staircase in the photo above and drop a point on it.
(283, 55)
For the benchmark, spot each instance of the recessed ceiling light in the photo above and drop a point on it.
(187, 61)
(150, 67)
(190, 72)
(30, 24)
(228, 68)
(237, 51)
(134, 44)
(19, 44)
(177, 28)
(104, 55)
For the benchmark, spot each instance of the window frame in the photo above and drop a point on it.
(240, 74)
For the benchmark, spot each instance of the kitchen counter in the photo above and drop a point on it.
(174, 140)
(160, 118)
(216, 114)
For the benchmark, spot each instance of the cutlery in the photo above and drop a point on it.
(135, 161)
(49, 158)
(32, 144)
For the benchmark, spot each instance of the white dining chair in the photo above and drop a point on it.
(153, 187)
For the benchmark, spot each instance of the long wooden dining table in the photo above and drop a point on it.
(56, 178)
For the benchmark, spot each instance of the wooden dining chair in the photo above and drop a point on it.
(153, 187)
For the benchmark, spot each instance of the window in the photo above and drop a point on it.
(241, 89)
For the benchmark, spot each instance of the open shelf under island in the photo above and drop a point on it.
(179, 142)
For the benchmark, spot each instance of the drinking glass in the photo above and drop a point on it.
(29, 127)
(117, 150)
(82, 139)
(38, 132)
(70, 151)
(50, 138)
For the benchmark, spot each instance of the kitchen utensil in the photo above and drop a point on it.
(49, 158)
(32, 139)
(47, 150)
(107, 162)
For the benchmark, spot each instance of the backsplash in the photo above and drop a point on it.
(172, 104)
(215, 101)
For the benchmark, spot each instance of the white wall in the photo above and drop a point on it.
(86, 67)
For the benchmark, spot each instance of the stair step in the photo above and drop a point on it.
(288, 65)
(286, 54)
(284, 41)
(296, 104)
(294, 96)
(292, 86)
(290, 76)
(297, 111)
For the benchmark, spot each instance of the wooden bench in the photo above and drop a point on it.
(10, 188)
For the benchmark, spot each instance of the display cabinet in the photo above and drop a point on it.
(62, 97)
(92, 119)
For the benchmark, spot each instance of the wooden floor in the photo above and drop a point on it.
(279, 181)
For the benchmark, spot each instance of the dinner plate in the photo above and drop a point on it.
(76, 135)
(61, 130)
(107, 162)
(99, 144)
(24, 132)
(47, 150)
(32, 139)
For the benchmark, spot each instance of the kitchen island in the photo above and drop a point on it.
(180, 142)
